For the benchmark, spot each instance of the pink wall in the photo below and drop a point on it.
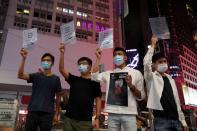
(11, 57)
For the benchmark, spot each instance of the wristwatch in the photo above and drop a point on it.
(97, 117)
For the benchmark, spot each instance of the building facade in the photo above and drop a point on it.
(90, 16)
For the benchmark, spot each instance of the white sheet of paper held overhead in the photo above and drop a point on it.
(30, 36)
(106, 39)
(159, 27)
(68, 34)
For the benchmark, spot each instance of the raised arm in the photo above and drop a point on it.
(148, 58)
(21, 74)
(98, 54)
(61, 62)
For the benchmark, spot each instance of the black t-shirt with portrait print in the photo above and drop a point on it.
(43, 92)
(81, 99)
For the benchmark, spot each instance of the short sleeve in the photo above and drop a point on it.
(100, 77)
(71, 79)
(59, 87)
(32, 77)
(97, 90)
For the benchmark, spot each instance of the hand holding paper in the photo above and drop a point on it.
(23, 53)
(62, 48)
(128, 80)
(154, 41)
(98, 53)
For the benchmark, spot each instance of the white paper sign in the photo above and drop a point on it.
(159, 27)
(30, 36)
(106, 38)
(68, 33)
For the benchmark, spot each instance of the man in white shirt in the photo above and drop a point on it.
(121, 111)
(163, 96)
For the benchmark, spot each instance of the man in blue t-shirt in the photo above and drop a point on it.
(83, 92)
(44, 87)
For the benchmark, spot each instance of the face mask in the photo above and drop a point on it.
(162, 68)
(118, 60)
(83, 68)
(45, 65)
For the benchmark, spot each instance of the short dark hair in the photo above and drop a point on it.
(158, 56)
(85, 59)
(51, 56)
(119, 49)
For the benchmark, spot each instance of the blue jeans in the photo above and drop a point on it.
(163, 124)
(128, 122)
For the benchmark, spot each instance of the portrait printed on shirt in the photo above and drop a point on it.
(118, 92)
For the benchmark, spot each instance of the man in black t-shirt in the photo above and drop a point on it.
(83, 92)
(44, 87)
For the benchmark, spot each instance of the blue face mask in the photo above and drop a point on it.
(83, 68)
(45, 65)
(118, 60)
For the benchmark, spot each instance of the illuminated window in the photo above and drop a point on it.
(82, 14)
(89, 25)
(22, 10)
(25, 11)
(79, 13)
(71, 11)
(78, 24)
(65, 10)
(97, 28)
(85, 15)
(19, 11)
(84, 25)
(59, 8)
(102, 28)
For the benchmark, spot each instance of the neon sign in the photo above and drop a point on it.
(133, 58)
(88, 25)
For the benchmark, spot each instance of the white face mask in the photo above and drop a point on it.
(162, 68)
